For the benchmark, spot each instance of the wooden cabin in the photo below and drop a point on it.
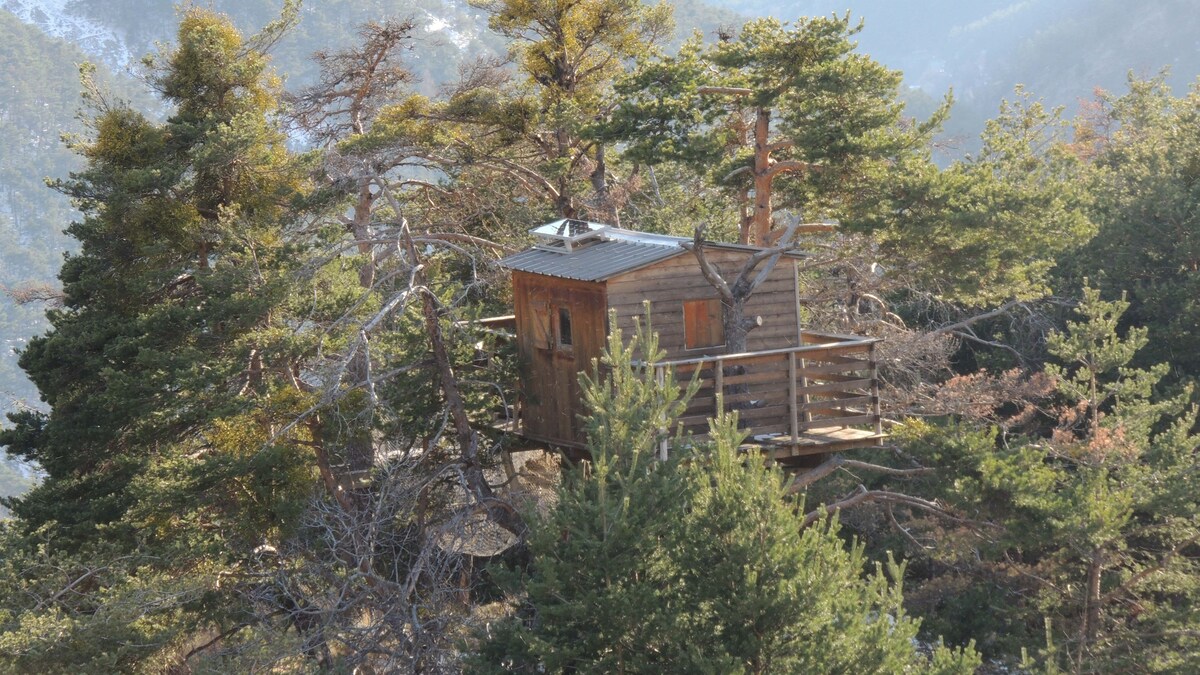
(798, 392)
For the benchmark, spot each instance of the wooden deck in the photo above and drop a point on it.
(795, 404)
(820, 397)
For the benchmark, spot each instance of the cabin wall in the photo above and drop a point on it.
(668, 284)
(551, 398)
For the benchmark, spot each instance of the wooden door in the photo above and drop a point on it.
(560, 327)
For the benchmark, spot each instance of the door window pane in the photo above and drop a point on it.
(564, 327)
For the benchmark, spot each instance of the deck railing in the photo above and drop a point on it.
(820, 396)
(822, 393)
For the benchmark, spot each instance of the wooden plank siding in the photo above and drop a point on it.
(668, 284)
(798, 393)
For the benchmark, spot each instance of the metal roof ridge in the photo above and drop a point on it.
(647, 238)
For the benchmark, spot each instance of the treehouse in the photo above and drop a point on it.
(799, 393)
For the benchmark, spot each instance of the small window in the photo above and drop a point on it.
(564, 327)
(702, 327)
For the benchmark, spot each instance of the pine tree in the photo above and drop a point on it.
(168, 373)
(1145, 150)
(987, 229)
(779, 101)
(515, 143)
(181, 268)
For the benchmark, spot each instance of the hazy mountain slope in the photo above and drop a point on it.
(57, 18)
(1060, 49)
(40, 82)
(449, 32)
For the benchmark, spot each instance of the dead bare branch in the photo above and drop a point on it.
(30, 293)
(806, 479)
(1002, 309)
(862, 495)
(709, 271)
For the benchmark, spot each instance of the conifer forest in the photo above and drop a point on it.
(614, 336)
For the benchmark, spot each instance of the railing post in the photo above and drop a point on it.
(792, 405)
(660, 378)
(875, 391)
(719, 387)
(806, 397)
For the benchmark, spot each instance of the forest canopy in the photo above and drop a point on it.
(269, 435)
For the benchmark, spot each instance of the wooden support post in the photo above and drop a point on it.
(875, 391)
(510, 469)
(793, 407)
(719, 388)
(796, 295)
(660, 378)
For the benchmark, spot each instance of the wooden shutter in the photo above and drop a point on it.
(702, 327)
(539, 311)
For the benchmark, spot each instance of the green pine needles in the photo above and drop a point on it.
(697, 564)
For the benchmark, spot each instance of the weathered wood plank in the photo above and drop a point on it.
(837, 403)
(831, 377)
(626, 294)
(763, 429)
(820, 353)
(843, 421)
(816, 372)
(664, 310)
(846, 387)
(762, 377)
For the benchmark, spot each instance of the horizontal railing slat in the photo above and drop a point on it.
(830, 377)
(847, 387)
(834, 368)
(816, 352)
(822, 422)
(836, 403)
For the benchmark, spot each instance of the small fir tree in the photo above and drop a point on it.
(1095, 565)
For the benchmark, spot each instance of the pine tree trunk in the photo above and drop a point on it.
(605, 206)
(499, 512)
(1091, 609)
(761, 225)
(737, 327)
(360, 448)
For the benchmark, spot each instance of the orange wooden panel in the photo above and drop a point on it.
(702, 323)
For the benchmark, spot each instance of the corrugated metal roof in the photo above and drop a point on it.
(595, 262)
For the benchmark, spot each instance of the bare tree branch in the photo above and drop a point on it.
(789, 166)
(1154, 569)
(806, 479)
(709, 271)
(1002, 309)
(31, 293)
(863, 495)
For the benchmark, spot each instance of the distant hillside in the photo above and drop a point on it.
(449, 32)
(1060, 49)
(40, 81)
